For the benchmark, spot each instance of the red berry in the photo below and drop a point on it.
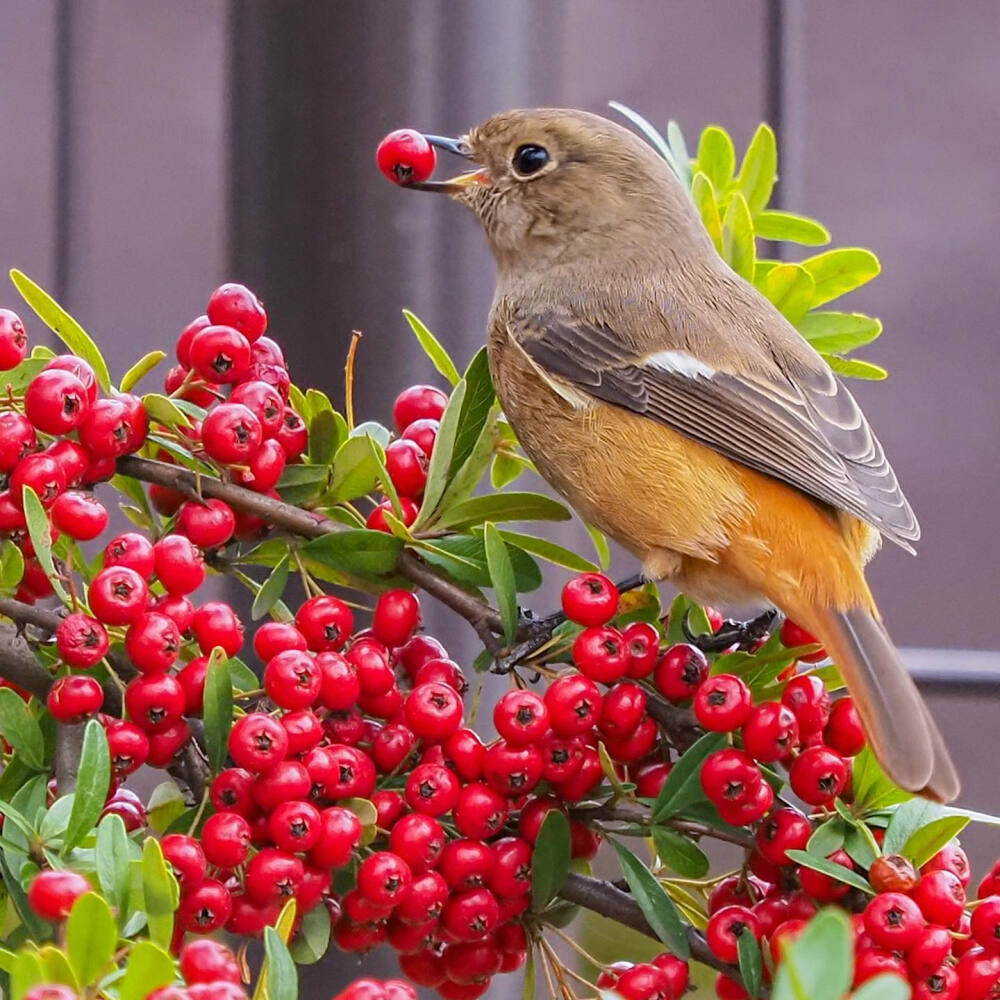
(681, 671)
(128, 745)
(407, 464)
(418, 402)
(807, 697)
(405, 156)
(76, 463)
(376, 519)
(274, 637)
(384, 878)
(52, 894)
(424, 433)
(205, 961)
(649, 778)
(643, 642)
(940, 896)
(118, 595)
(574, 703)
(295, 826)
(177, 607)
(326, 622)
(71, 698)
(215, 623)
(293, 436)
(726, 926)
(153, 643)
(433, 711)
(114, 427)
(292, 679)
(818, 775)
(729, 776)
(231, 433)
(512, 770)
(793, 635)
(264, 467)
(187, 859)
(132, 550)
(431, 789)
(220, 354)
(154, 702)
(825, 888)
(418, 840)
(273, 875)
(42, 473)
(978, 974)
(844, 732)
(521, 717)
(236, 306)
(225, 838)
(590, 599)
(951, 858)
(600, 653)
(208, 524)
(784, 830)
(340, 687)
(771, 732)
(183, 346)
(13, 340)
(340, 832)
(17, 439)
(257, 742)
(397, 617)
(623, 710)
(469, 916)
(81, 640)
(722, 703)
(80, 515)
(56, 401)
(894, 921)
(206, 908)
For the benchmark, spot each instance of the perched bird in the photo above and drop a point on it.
(676, 408)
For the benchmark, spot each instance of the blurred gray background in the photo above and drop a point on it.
(151, 149)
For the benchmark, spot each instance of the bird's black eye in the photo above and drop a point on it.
(530, 159)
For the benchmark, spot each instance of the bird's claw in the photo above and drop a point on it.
(741, 635)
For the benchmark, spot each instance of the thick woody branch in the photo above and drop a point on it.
(18, 663)
(679, 724)
(69, 747)
(607, 900)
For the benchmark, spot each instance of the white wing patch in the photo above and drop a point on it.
(680, 362)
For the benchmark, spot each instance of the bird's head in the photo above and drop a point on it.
(551, 183)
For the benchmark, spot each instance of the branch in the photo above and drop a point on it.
(69, 748)
(484, 619)
(612, 813)
(18, 663)
(28, 614)
(679, 724)
(603, 898)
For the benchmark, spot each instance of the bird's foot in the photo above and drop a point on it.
(741, 635)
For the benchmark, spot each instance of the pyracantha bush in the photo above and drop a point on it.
(325, 787)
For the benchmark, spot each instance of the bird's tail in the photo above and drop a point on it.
(902, 734)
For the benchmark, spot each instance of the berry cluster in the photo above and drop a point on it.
(60, 439)
(252, 432)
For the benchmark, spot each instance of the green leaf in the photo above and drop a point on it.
(11, 565)
(907, 819)
(549, 551)
(601, 545)
(432, 348)
(166, 803)
(282, 978)
(716, 156)
(827, 838)
(924, 843)
(738, 248)
(751, 967)
(160, 892)
(759, 169)
(165, 411)
(56, 818)
(149, 967)
(463, 557)
(440, 462)
(91, 936)
(649, 131)
(512, 506)
(790, 287)
(831, 868)
(502, 579)
(244, 679)
(56, 966)
(683, 784)
(111, 859)
(837, 272)
(26, 973)
(505, 469)
(888, 986)
(355, 471)
(327, 429)
(476, 405)
(140, 369)
(853, 368)
(21, 730)
(550, 859)
(860, 845)
(313, 938)
(657, 907)
(703, 196)
(41, 537)
(93, 779)
(678, 147)
(679, 853)
(63, 326)
(838, 332)
(356, 550)
(819, 964)
(528, 992)
(218, 710)
(775, 225)
(270, 591)
(873, 789)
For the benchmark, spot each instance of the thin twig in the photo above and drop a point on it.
(613, 813)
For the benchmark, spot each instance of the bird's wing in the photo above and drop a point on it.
(805, 430)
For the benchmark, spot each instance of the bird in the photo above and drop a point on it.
(676, 409)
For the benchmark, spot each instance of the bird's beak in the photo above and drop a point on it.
(454, 185)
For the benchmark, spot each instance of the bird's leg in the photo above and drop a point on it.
(742, 635)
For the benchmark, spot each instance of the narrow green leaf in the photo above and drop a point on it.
(463, 557)
(759, 169)
(550, 859)
(827, 838)
(703, 196)
(140, 369)
(601, 545)
(63, 326)
(149, 967)
(56, 818)
(432, 348)
(502, 579)
(657, 907)
(11, 565)
(775, 225)
(164, 410)
(511, 506)
(441, 457)
(683, 784)
(111, 859)
(92, 782)
(476, 406)
(751, 966)
(313, 938)
(649, 131)
(853, 368)
(716, 156)
(924, 843)
(218, 710)
(270, 591)
(356, 550)
(738, 248)
(41, 538)
(160, 892)
(282, 977)
(26, 972)
(549, 551)
(838, 332)
(679, 853)
(837, 272)
(528, 992)
(355, 471)
(166, 803)
(888, 986)
(91, 936)
(819, 964)
(860, 846)
(790, 287)
(21, 730)
(678, 147)
(873, 790)
(327, 432)
(907, 819)
(831, 868)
